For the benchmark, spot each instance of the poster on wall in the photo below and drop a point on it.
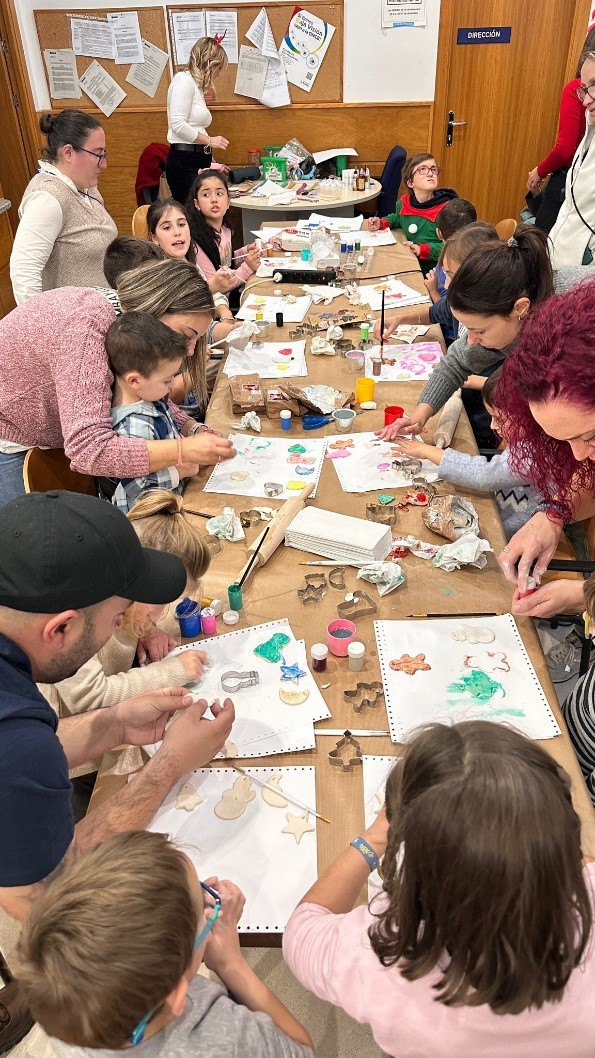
(304, 47)
(403, 13)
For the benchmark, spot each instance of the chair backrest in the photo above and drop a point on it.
(506, 228)
(391, 181)
(139, 222)
(49, 468)
(151, 165)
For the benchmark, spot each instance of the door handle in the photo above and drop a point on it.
(450, 125)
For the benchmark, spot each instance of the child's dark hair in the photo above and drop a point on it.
(455, 215)
(412, 163)
(203, 234)
(458, 246)
(69, 126)
(483, 862)
(155, 213)
(494, 276)
(487, 393)
(126, 252)
(139, 342)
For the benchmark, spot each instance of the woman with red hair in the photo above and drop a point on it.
(546, 403)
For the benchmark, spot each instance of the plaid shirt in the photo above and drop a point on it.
(153, 421)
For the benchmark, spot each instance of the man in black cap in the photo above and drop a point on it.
(70, 565)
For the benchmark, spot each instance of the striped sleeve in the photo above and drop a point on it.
(579, 714)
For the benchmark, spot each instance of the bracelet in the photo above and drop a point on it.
(367, 852)
(550, 507)
(180, 452)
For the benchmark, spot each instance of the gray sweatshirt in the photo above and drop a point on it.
(516, 500)
(212, 1026)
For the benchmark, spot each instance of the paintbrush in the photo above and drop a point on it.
(254, 557)
(288, 797)
(382, 326)
(201, 514)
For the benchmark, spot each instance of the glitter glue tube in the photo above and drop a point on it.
(208, 621)
(285, 417)
(319, 655)
(355, 653)
(234, 594)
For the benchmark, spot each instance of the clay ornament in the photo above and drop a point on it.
(294, 697)
(229, 749)
(342, 444)
(410, 665)
(297, 825)
(275, 800)
(233, 802)
(297, 449)
(270, 650)
(488, 661)
(470, 634)
(188, 798)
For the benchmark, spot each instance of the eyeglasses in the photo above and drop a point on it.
(585, 90)
(430, 170)
(101, 156)
(138, 1032)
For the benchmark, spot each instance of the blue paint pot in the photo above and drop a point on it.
(188, 616)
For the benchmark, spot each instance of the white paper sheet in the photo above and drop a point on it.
(62, 73)
(332, 223)
(293, 312)
(224, 21)
(366, 465)
(266, 459)
(271, 868)
(276, 90)
(403, 13)
(268, 362)
(146, 75)
(304, 47)
(376, 770)
(334, 152)
(412, 364)
(397, 295)
(125, 28)
(187, 27)
(466, 681)
(92, 37)
(101, 88)
(252, 72)
(376, 238)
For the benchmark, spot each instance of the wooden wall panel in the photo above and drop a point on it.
(372, 128)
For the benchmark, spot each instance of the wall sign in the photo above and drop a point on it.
(484, 35)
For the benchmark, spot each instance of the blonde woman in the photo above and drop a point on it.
(188, 117)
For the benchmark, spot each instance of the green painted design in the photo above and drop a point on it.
(297, 448)
(385, 497)
(271, 649)
(478, 684)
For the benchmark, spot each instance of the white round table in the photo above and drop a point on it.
(339, 202)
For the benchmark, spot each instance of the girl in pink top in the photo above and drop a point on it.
(481, 943)
(208, 208)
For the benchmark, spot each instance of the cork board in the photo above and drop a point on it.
(328, 86)
(53, 31)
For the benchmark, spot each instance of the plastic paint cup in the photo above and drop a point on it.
(355, 360)
(319, 654)
(343, 419)
(355, 652)
(364, 331)
(188, 616)
(234, 594)
(339, 635)
(392, 413)
(376, 366)
(305, 254)
(364, 389)
(285, 417)
(208, 621)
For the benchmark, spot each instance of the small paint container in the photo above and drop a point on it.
(364, 331)
(188, 616)
(364, 389)
(343, 419)
(319, 655)
(234, 594)
(279, 319)
(285, 417)
(208, 621)
(355, 359)
(376, 366)
(392, 413)
(339, 635)
(532, 587)
(355, 652)
(305, 254)
(230, 617)
(259, 316)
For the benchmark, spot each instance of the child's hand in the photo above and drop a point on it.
(373, 224)
(431, 285)
(223, 945)
(418, 450)
(413, 247)
(154, 646)
(390, 327)
(193, 662)
(223, 281)
(377, 833)
(252, 259)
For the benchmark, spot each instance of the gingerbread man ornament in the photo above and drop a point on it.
(410, 665)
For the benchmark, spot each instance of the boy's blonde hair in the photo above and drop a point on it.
(206, 57)
(108, 940)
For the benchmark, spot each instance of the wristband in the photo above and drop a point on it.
(180, 452)
(550, 507)
(367, 852)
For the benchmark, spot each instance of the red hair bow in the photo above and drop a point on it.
(218, 39)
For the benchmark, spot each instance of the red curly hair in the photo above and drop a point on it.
(554, 359)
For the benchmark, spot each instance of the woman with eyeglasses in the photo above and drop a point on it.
(64, 228)
(573, 235)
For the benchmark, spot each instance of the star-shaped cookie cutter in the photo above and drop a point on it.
(335, 757)
(364, 695)
(315, 588)
(359, 606)
(384, 513)
(237, 681)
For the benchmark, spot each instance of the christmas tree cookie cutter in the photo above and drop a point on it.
(338, 760)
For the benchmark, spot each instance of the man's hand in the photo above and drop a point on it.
(154, 646)
(193, 741)
(143, 719)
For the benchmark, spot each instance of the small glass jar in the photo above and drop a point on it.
(356, 652)
(319, 655)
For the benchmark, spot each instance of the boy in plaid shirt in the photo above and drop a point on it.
(145, 356)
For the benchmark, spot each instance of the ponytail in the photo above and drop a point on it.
(493, 277)
(159, 522)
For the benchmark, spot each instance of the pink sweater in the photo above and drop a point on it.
(56, 383)
(331, 956)
(242, 272)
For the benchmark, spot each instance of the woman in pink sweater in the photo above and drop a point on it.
(208, 209)
(481, 943)
(56, 383)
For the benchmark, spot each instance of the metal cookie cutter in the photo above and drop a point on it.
(386, 514)
(336, 577)
(407, 467)
(214, 544)
(315, 589)
(250, 518)
(359, 605)
(364, 695)
(272, 488)
(335, 757)
(238, 681)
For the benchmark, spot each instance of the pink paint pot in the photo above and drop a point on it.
(392, 413)
(339, 634)
(532, 587)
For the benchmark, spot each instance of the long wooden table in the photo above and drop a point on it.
(271, 593)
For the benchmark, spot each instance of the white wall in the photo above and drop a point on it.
(378, 65)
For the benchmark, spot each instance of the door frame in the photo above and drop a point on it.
(582, 11)
(26, 113)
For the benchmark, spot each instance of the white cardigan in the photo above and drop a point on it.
(570, 237)
(187, 112)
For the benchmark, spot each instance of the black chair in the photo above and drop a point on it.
(391, 181)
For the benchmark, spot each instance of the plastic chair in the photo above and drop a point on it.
(506, 228)
(151, 165)
(139, 222)
(391, 181)
(49, 468)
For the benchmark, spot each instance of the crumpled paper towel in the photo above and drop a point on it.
(419, 548)
(250, 421)
(385, 575)
(226, 526)
(322, 294)
(321, 347)
(468, 550)
(240, 336)
(451, 516)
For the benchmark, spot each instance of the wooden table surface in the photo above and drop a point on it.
(325, 198)
(271, 592)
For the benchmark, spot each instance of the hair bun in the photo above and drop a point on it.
(156, 501)
(46, 123)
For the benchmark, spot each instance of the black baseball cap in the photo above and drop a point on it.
(64, 550)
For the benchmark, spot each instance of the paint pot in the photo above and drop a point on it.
(285, 417)
(532, 587)
(364, 331)
(279, 319)
(234, 594)
(364, 389)
(355, 652)
(392, 413)
(355, 359)
(339, 635)
(343, 419)
(305, 254)
(208, 621)
(376, 366)
(230, 617)
(188, 616)
(319, 655)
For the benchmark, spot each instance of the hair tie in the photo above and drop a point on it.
(512, 241)
(218, 39)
